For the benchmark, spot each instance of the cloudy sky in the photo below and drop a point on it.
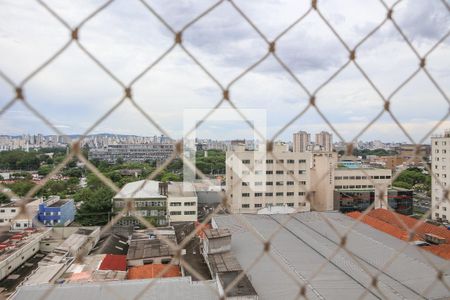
(73, 92)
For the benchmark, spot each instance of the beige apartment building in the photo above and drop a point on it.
(301, 141)
(256, 179)
(440, 158)
(364, 179)
(325, 139)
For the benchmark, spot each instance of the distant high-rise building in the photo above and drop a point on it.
(440, 157)
(301, 140)
(325, 139)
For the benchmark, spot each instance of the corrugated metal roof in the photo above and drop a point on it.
(306, 242)
(164, 288)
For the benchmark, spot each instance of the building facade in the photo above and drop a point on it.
(325, 139)
(255, 180)
(301, 140)
(157, 202)
(57, 212)
(133, 152)
(440, 158)
(9, 214)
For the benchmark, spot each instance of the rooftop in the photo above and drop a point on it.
(142, 189)
(397, 225)
(241, 289)
(216, 233)
(166, 288)
(153, 271)
(344, 276)
(59, 203)
(148, 248)
(111, 244)
(223, 262)
(114, 262)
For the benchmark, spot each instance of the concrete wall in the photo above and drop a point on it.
(180, 205)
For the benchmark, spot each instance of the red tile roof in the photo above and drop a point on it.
(380, 225)
(114, 262)
(409, 223)
(397, 225)
(153, 271)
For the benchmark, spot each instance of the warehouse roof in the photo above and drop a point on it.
(306, 242)
(165, 288)
(223, 262)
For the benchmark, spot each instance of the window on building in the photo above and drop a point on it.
(258, 172)
(189, 213)
(244, 183)
(245, 205)
(290, 194)
(302, 182)
(269, 172)
(301, 172)
(280, 172)
(245, 194)
(269, 194)
(269, 183)
(258, 194)
(280, 161)
(13, 210)
(301, 193)
(258, 183)
(269, 161)
(246, 161)
(291, 161)
(290, 183)
(258, 161)
(302, 161)
(175, 213)
(175, 203)
(279, 183)
(290, 172)
(189, 203)
(280, 204)
(279, 194)
(258, 205)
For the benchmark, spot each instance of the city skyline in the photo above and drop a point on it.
(74, 84)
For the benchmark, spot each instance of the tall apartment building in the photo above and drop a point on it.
(325, 139)
(440, 165)
(301, 140)
(281, 178)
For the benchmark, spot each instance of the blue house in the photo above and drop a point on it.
(57, 212)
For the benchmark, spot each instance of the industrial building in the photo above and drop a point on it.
(306, 242)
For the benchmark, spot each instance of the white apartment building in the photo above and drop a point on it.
(182, 202)
(325, 139)
(301, 141)
(440, 158)
(257, 179)
(9, 214)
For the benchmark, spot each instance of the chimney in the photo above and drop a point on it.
(163, 187)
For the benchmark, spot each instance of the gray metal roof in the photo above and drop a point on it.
(223, 262)
(307, 241)
(164, 288)
(142, 189)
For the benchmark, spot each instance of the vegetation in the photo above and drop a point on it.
(413, 178)
(214, 163)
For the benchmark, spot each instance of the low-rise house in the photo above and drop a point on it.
(11, 214)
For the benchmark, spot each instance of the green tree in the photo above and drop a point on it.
(95, 208)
